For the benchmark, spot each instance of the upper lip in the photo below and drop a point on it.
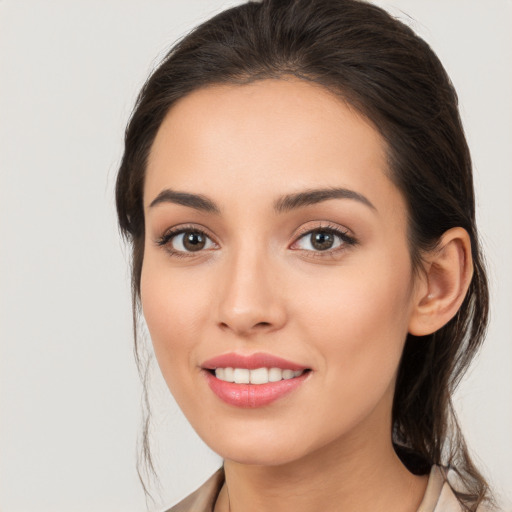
(251, 362)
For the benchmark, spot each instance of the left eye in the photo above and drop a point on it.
(321, 240)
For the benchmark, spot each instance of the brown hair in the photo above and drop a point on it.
(390, 75)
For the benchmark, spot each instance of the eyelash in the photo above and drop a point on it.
(346, 240)
(165, 239)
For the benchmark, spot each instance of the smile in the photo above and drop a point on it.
(253, 381)
(257, 376)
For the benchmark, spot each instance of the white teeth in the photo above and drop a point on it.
(229, 374)
(259, 376)
(256, 376)
(275, 374)
(242, 376)
(288, 374)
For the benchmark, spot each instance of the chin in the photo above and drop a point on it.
(265, 447)
(260, 457)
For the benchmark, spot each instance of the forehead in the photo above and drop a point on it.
(264, 138)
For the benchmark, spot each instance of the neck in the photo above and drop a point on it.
(358, 473)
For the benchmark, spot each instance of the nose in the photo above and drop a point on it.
(250, 298)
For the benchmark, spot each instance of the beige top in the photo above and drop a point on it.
(439, 496)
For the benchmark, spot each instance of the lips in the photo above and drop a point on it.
(253, 381)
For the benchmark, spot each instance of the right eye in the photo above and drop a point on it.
(182, 241)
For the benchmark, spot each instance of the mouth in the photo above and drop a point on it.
(253, 381)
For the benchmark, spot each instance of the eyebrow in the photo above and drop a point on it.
(314, 196)
(281, 205)
(196, 201)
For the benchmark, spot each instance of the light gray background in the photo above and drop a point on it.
(69, 391)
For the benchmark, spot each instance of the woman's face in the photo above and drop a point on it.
(275, 239)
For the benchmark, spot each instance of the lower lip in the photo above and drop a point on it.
(253, 395)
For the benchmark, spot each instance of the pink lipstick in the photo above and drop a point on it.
(252, 381)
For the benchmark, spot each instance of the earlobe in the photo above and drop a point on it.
(447, 276)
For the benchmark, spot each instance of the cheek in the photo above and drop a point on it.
(359, 322)
(357, 326)
(173, 304)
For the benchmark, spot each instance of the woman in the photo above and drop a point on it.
(297, 190)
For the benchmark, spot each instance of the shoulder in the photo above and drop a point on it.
(202, 499)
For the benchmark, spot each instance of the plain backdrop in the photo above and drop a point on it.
(69, 389)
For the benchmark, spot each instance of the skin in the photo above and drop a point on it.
(259, 286)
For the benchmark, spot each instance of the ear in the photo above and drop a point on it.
(441, 289)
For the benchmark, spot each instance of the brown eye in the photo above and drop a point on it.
(186, 241)
(321, 240)
(193, 241)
